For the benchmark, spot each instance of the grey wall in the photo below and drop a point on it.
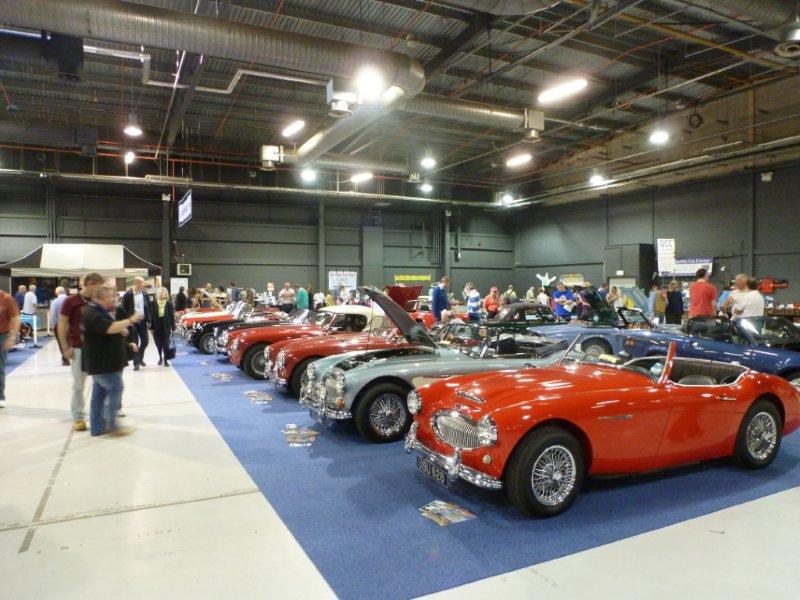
(252, 242)
(747, 226)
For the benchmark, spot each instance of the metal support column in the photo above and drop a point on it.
(166, 242)
(446, 266)
(321, 267)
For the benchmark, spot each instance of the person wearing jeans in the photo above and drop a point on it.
(9, 329)
(105, 355)
(69, 337)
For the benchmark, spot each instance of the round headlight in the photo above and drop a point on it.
(235, 345)
(414, 402)
(487, 431)
(311, 372)
(280, 360)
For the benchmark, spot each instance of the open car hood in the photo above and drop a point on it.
(403, 295)
(411, 330)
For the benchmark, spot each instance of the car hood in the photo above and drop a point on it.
(397, 357)
(411, 330)
(403, 294)
(500, 389)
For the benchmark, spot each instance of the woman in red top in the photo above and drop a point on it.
(492, 303)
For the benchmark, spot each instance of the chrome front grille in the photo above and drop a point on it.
(455, 429)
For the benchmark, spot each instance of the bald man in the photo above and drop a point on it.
(135, 302)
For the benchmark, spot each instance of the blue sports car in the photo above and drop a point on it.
(599, 335)
(766, 344)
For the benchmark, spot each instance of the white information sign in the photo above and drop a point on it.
(347, 278)
(665, 251)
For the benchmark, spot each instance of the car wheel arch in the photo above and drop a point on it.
(775, 401)
(379, 381)
(564, 424)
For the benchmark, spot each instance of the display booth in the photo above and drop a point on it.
(75, 260)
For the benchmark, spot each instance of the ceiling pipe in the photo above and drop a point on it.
(164, 183)
(767, 14)
(665, 168)
(507, 8)
(145, 25)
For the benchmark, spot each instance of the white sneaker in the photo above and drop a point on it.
(2, 403)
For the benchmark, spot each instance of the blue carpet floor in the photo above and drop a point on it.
(17, 357)
(354, 507)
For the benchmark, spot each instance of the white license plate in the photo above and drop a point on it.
(433, 471)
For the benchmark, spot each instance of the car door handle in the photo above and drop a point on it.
(727, 398)
(624, 417)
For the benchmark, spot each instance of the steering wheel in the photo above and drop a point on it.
(729, 379)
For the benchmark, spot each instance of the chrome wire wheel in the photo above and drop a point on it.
(258, 363)
(209, 344)
(762, 435)
(795, 381)
(553, 476)
(387, 415)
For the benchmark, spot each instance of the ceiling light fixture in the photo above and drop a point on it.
(369, 84)
(597, 179)
(428, 162)
(426, 187)
(519, 159)
(506, 198)
(132, 127)
(129, 157)
(659, 137)
(308, 175)
(293, 128)
(562, 90)
(361, 177)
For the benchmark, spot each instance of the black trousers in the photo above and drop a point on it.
(161, 338)
(142, 339)
(673, 319)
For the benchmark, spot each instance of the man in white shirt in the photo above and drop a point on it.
(286, 298)
(55, 310)
(30, 302)
(745, 301)
(542, 297)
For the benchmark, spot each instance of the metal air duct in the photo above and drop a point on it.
(506, 8)
(123, 22)
(769, 15)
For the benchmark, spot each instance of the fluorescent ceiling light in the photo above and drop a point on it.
(659, 137)
(293, 128)
(426, 187)
(428, 161)
(308, 175)
(361, 177)
(129, 157)
(562, 90)
(132, 127)
(597, 179)
(518, 159)
(369, 83)
(507, 198)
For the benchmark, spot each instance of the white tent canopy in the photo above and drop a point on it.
(53, 260)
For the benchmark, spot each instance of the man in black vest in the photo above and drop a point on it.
(105, 354)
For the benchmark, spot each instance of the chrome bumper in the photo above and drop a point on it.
(312, 399)
(451, 464)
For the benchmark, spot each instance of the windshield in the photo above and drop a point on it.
(299, 316)
(770, 330)
(534, 315)
(652, 367)
(513, 344)
(459, 333)
(635, 319)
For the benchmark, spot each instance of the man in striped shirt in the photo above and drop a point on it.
(473, 303)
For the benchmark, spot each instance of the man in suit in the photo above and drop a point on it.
(136, 302)
(440, 300)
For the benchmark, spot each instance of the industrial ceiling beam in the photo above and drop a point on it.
(185, 97)
(462, 42)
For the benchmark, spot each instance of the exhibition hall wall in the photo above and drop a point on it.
(747, 224)
(250, 242)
